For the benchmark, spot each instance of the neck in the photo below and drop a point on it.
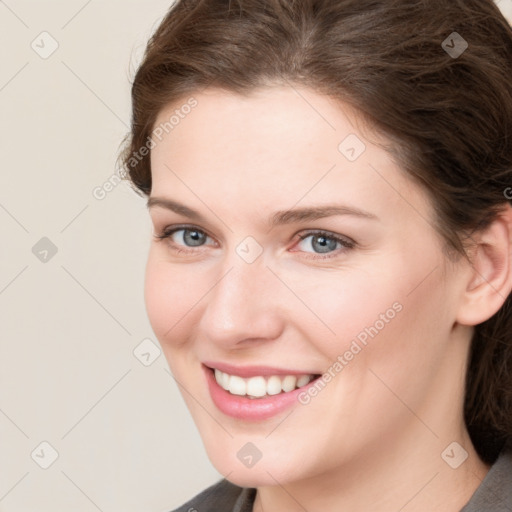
(416, 468)
(412, 477)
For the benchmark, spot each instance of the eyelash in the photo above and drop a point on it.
(345, 242)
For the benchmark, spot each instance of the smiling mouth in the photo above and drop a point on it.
(261, 386)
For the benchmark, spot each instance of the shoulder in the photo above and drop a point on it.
(495, 492)
(222, 496)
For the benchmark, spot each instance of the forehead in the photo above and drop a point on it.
(266, 118)
(279, 144)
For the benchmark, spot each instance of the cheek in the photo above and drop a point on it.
(384, 317)
(342, 305)
(170, 294)
(405, 352)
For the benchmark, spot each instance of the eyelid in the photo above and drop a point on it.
(346, 242)
(328, 234)
(168, 231)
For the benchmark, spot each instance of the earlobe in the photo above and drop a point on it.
(490, 277)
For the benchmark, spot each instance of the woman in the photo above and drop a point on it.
(330, 271)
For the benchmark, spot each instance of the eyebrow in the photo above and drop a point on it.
(281, 217)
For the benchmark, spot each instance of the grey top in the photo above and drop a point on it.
(494, 494)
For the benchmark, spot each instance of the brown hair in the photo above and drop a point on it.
(448, 116)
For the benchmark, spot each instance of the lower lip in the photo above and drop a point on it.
(252, 409)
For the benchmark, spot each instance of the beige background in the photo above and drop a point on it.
(70, 321)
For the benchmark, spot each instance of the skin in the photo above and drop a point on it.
(372, 439)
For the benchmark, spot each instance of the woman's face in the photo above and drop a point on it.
(358, 292)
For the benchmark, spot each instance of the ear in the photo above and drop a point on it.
(489, 280)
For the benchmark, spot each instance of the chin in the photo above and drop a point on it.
(250, 478)
(263, 473)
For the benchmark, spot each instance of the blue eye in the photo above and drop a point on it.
(324, 243)
(190, 237)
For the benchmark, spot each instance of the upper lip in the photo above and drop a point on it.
(253, 371)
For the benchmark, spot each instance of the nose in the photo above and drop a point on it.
(244, 305)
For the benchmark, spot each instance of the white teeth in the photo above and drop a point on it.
(237, 385)
(289, 383)
(257, 387)
(274, 385)
(224, 380)
(302, 381)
